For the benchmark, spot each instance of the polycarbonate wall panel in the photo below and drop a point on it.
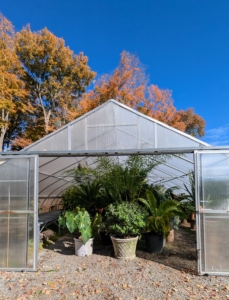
(169, 138)
(105, 116)
(56, 141)
(124, 116)
(214, 180)
(101, 137)
(18, 213)
(214, 243)
(78, 135)
(212, 196)
(146, 130)
(127, 136)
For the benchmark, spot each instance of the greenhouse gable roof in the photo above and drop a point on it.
(111, 126)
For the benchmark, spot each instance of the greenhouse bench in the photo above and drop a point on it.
(48, 218)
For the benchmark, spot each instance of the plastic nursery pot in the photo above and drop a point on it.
(82, 249)
(105, 239)
(154, 242)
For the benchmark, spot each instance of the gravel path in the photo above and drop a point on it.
(62, 275)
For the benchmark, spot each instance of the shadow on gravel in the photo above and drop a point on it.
(180, 254)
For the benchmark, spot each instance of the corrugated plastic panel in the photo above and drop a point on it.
(167, 138)
(213, 206)
(18, 213)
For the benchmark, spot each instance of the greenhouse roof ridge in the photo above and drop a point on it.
(124, 107)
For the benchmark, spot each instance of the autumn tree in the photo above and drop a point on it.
(128, 85)
(13, 101)
(54, 78)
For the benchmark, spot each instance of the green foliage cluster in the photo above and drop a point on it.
(159, 216)
(122, 189)
(79, 220)
(89, 195)
(125, 219)
(110, 181)
(189, 204)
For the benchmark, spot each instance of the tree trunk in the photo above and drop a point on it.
(2, 134)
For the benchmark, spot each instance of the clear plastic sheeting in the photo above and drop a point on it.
(212, 195)
(18, 220)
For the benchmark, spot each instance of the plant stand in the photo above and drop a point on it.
(83, 250)
(124, 248)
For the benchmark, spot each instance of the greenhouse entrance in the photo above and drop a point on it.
(18, 212)
(20, 186)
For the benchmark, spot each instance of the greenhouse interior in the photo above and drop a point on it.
(33, 180)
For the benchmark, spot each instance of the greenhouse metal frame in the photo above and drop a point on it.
(113, 130)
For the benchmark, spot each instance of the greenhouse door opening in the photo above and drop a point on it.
(18, 213)
(212, 202)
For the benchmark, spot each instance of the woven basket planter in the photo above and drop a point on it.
(124, 248)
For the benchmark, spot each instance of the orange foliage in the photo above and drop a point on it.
(13, 96)
(128, 85)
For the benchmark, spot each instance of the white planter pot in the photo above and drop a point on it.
(124, 248)
(83, 250)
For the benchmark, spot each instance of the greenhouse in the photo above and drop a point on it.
(33, 180)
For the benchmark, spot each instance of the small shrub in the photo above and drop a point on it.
(125, 219)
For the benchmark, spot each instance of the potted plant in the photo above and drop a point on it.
(157, 225)
(78, 221)
(125, 221)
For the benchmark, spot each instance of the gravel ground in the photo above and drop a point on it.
(62, 275)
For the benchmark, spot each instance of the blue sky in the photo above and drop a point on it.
(184, 45)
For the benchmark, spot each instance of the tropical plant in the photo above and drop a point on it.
(126, 219)
(79, 220)
(191, 191)
(161, 193)
(121, 181)
(189, 204)
(159, 216)
(87, 194)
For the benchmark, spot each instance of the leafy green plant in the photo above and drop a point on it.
(187, 207)
(121, 181)
(191, 194)
(88, 194)
(125, 219)
(79, 220)
(158, 220)
(161, 193)
(189, 203)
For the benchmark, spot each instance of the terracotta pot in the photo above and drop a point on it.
(193, 224)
